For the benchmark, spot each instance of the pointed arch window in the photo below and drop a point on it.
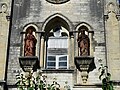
(57, 49)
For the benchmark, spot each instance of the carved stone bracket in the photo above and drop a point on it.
(84, 65)
(29, 63)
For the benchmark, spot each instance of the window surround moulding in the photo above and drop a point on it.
(57, 1)
(35, 32)
(58, 71)
(97, 85)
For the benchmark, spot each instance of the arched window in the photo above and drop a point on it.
(55, 43)
(57, 49)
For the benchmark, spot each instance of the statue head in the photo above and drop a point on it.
(30, 30)
(82, 31)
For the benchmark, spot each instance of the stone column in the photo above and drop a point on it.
(42, 52)
(45, 54)
(69, 52)
(72, 51)
(77, 51)
(91, 43)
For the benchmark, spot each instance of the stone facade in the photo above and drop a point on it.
(101, 17)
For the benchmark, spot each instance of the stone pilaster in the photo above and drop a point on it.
(113, 43)
(4, 30)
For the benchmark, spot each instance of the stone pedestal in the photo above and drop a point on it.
(29, 63)
(84, 64)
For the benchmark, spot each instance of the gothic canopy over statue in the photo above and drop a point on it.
(57, 1)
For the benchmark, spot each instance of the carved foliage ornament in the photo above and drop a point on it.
(57, 1)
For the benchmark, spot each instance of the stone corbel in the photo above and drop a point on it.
(29, 63)
(84, 65)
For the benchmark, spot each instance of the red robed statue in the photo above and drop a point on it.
(83, 43)
(30, 42)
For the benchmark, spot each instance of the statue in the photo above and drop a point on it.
(83, 43)
(30, 43)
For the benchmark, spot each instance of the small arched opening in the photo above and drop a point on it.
(30, 39)
(85, 39)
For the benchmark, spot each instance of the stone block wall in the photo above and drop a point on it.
(60, 78)
(90, 12)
